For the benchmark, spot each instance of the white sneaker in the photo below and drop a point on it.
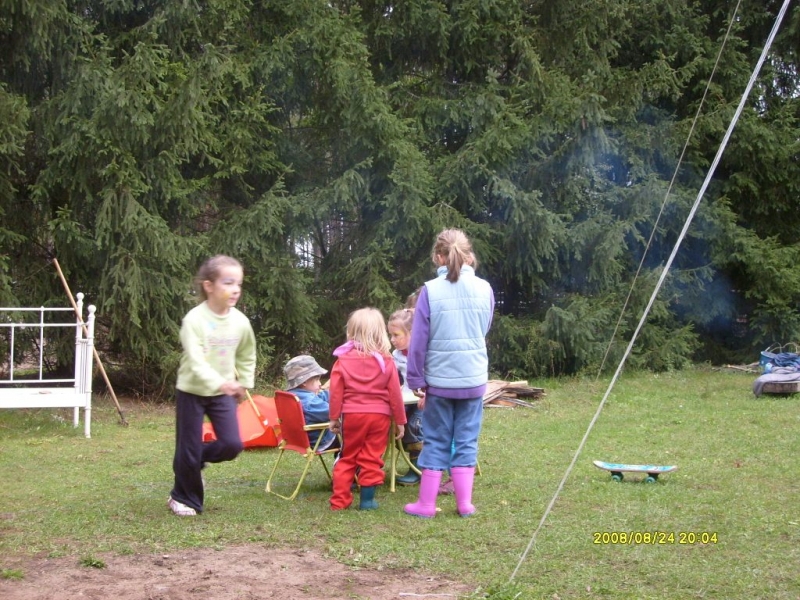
(180, 509)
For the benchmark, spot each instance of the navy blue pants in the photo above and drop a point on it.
(191, 453)
(413, 433)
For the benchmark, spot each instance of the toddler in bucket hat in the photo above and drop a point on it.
(302, 379)
(300, 369)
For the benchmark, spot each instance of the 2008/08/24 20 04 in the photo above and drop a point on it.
(654, 537)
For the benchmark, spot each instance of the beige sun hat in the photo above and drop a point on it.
(300, 369)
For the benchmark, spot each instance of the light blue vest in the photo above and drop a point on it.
(401, 362)
(461, 313)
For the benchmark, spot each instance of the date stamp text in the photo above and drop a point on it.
(654, 538)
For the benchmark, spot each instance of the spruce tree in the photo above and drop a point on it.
(324, 144)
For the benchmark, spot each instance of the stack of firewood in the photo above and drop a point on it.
(511, 393)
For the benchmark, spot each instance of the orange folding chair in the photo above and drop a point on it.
(294, 438)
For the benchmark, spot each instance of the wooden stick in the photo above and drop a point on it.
(252, 403)
(86, 333)
(263, 421)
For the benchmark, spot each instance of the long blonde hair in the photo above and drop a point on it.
(367, 327)
(455, 247)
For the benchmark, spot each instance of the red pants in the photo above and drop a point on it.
(364, 440)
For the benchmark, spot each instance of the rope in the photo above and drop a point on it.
(663, 276)
(669, 189)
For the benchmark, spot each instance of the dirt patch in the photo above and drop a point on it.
(236, 573)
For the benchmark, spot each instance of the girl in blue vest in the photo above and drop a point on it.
(448, 369)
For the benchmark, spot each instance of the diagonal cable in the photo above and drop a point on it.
(661, 279)
(669, 190)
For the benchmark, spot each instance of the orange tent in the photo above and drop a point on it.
(254, 431)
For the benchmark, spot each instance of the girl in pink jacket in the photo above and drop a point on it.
(364, 397)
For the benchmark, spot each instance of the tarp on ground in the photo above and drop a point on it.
(254, 432)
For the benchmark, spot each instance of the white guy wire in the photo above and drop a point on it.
(669, 189)
(664, 273)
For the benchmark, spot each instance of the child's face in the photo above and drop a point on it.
(399, 337)
(225, 290)
(312, 385)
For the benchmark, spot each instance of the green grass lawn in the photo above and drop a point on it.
(737, 487)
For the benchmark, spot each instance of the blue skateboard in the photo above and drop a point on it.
(617, 469)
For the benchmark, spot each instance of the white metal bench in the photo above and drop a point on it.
(75, 392)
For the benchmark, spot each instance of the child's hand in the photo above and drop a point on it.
(335, 426)
(421, 402)
(232, 388)
(401, 429)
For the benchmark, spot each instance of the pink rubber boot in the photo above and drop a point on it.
(425, 507)
(462, 482)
